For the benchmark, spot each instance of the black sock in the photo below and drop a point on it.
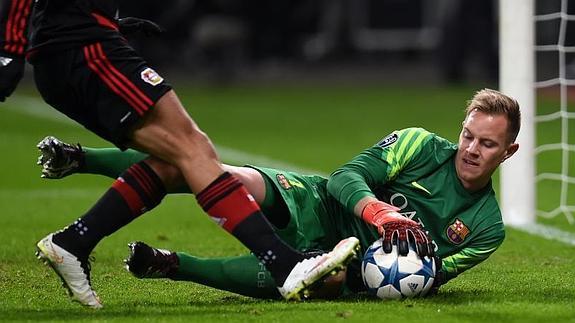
(136, 191)
(278, 257)
(228, 202)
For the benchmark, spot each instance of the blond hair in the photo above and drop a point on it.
(493, 102)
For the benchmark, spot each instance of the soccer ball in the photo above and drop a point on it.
(391, 276)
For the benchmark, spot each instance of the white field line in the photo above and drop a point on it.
(36, 108)
(548, 232)
(52, 193)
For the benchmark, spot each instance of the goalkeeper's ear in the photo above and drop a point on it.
(512, 149)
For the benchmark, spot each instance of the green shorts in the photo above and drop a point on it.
(316, 220)
(304, 196)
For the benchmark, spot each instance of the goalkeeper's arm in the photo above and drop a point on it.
(464, 260)
(351, 186)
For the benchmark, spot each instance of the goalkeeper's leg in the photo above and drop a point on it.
(59, 159)
(244, 275)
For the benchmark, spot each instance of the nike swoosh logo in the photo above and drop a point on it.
(418, 186)
(319, 263)
(4, 61)
(56, 257)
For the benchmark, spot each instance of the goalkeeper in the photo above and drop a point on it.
(413, 173)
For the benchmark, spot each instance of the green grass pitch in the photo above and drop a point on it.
(529, 279)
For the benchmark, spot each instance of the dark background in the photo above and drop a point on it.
(236, 40)
(425, 41)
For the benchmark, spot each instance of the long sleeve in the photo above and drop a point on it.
(375, 166)
(351, 182)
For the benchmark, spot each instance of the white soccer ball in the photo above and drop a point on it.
(391, 276)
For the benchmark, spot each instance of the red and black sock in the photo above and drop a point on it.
(137, 190)
(230, 205)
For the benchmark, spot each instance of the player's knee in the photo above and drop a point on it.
(186, 140)
(170, 175)
(198, 145)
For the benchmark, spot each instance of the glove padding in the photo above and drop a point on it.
(395, 228)
(132, 25)
(404, 233)
(11, 72)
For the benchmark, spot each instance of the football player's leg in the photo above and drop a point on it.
(111, 162)
(244, 275)
(170, 134)
(137, 190)
(163, 129)
(59, 159)
(112, 100)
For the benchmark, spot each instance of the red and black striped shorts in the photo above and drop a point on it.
(105, 86)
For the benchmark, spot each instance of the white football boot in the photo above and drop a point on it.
(75, 277)
(312, 270)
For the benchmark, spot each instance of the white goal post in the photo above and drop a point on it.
(517, 79)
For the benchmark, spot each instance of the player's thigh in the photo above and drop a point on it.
(252, 180)
(170, 133)
(297, 207)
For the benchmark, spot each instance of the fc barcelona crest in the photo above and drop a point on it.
(457, 232)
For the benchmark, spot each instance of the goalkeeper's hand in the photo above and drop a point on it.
(11, 72)
(132, 25)
(439, 278)
(391, 225)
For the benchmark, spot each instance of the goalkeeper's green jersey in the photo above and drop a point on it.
(414, 170)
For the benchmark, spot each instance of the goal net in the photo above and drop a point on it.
(537, 66)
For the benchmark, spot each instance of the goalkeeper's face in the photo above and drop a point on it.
(483, 145)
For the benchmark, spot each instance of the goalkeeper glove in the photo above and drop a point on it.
(392, 225)
(131, 25)
(439, 277)
(11, 72)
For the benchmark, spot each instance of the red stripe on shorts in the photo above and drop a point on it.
(99, 68)
(122, 77)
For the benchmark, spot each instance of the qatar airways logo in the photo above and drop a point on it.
(400, 201)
